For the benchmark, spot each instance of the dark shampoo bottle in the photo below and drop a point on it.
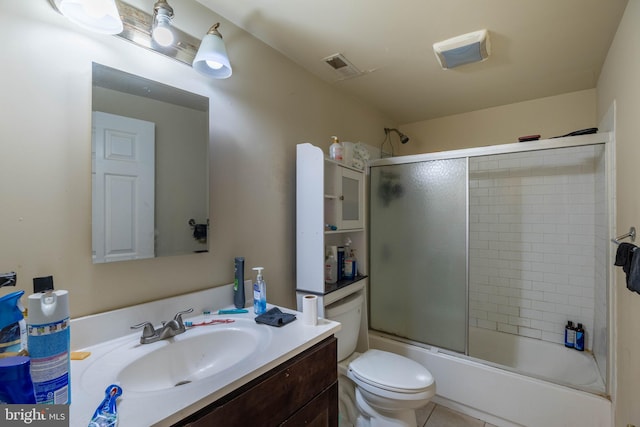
(569, 335)
(238, 283)
(579, 338)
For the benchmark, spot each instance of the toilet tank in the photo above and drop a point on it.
(347, 311)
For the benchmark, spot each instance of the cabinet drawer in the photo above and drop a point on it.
(322, 411)
(272, 398)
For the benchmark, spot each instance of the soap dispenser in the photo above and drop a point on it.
(259, 293)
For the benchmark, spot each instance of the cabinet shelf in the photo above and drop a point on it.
(343, 231)
(331, 287)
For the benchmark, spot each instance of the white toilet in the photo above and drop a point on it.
(388, 387)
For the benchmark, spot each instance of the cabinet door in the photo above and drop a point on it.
(322, 411)
(351, 199)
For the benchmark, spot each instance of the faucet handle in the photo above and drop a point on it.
(148, 332)
(178, 316)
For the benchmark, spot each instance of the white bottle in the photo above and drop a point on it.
(335, 150)
(330, 269)
(259, 293)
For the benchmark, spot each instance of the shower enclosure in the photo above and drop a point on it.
(487, 253)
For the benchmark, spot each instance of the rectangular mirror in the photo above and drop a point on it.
(150, 168)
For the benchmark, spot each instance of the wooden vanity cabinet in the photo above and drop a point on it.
(302, 391)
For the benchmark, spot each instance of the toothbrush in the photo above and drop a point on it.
(233, 311)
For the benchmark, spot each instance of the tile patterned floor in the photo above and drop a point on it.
(434, 415)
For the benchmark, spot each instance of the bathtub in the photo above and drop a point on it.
(499, 396)
(537, 358)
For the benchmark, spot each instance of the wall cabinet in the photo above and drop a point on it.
(330, 212)
(343, 197)
(301, 391)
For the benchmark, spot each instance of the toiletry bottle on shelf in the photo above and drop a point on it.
(335, 150)
(579, 345)
(355, 263)
(259, 293)
(238, 283)
(569, 335)
(330, 269)
(349, 266)
(340, 263)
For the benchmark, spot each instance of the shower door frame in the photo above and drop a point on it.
(606, 138)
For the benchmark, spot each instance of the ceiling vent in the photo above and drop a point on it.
(464, 49)
(342, 66)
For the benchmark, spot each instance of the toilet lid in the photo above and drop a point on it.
(391, 371)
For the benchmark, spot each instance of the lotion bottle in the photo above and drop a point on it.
(259, 293)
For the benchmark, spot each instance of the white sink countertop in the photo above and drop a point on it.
(117, 359)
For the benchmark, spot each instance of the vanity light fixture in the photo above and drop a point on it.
(153, 32)
(162, 16)
(211, 59)
(100, 16)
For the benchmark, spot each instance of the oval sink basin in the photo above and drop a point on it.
(189, 359)
(205, 352)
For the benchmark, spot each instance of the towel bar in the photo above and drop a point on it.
(631, 234)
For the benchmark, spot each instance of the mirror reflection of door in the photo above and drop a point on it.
(123, 175)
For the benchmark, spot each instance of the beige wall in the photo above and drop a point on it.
(257, 117)
(547, 117)
(619, 82)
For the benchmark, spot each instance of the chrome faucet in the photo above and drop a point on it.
(167, 330)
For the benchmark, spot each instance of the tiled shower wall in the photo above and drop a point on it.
(534, 219)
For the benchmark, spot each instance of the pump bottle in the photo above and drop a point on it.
(259, 293)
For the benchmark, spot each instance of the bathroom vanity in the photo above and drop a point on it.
(300, 391)
(232, 371)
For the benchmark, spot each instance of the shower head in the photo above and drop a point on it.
(403, 138)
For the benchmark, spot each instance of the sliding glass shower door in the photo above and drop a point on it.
(418, 250)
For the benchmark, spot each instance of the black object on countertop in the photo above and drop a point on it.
(275, 317)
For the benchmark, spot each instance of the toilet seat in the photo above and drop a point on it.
(390, 372)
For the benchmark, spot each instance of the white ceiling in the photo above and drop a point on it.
(539, 48)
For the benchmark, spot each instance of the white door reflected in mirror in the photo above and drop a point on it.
(123, 176)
